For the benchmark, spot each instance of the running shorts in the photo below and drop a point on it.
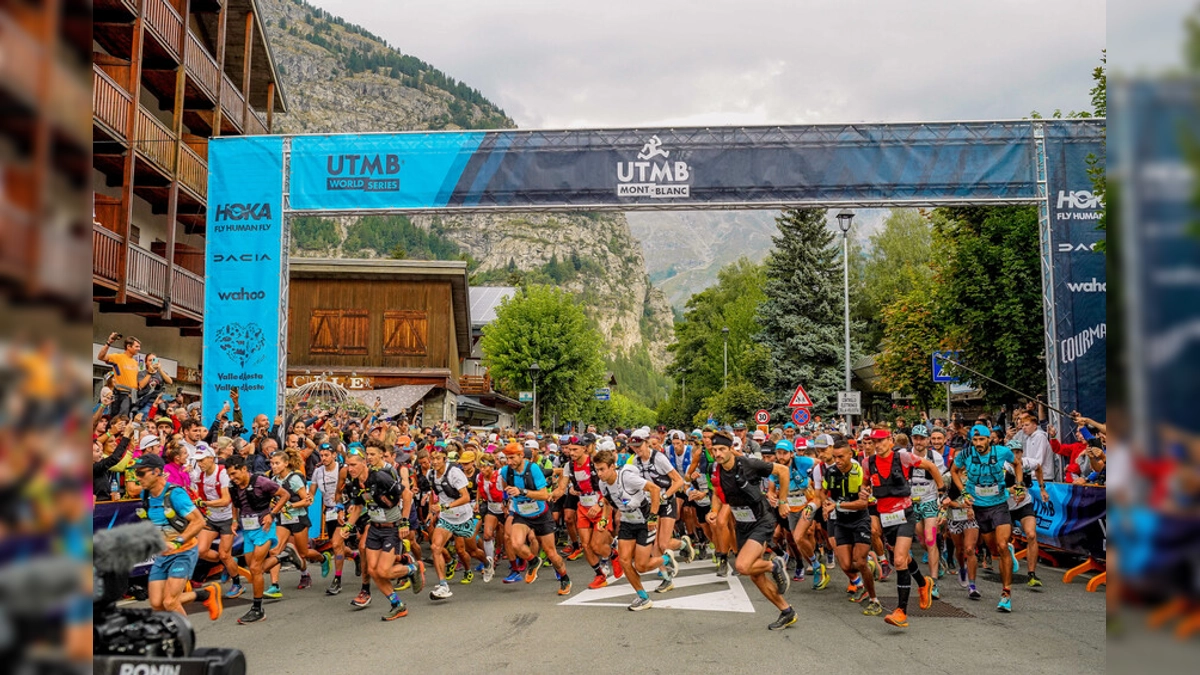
(667, 508)
(634, 531)
(383, 538)
(221, 527)
(926, 508)
(906, 529)
(852, 533)
(570, 502)
(991, 517)
(466, 530)
(263, 536)
(762, 531)
(1021, 512)
(542, 525)
(960, 526)
(175, 566)
(299, 526)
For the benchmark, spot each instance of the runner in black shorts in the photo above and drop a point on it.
(844, 502)
(737, 481)
(636, 499)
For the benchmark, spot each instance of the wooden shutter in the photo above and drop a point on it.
(355, 329)
(323, 331)
(405, 332)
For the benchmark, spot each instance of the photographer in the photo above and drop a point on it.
(151, 383)
(104, 478)
(171, 509)
(125, 373)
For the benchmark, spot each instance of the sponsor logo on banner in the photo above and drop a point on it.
(1077, 346)
(653, 174)
(242, 294)
(1067, 247)
(242, 218)
(240, 257)
(1093, 286)
(364, 173)
(1078, 205)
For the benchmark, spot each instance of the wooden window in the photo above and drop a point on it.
(405, 332)
(355, 328)
(324, 331)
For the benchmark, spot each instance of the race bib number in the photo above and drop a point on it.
(495, 508)
(892, 519)
(707, 501)
(797, 501)
(250, 523)
(743, 514)
(923, 490)
(528, 508)
(633, 517)
(589, 500)
(987, 491)
(375, 513)
(958, 514)
(288, 519)
(331, 513)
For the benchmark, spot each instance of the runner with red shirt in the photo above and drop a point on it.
(592, 517)
(491, 505)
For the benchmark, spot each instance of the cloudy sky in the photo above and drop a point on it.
(572, 64)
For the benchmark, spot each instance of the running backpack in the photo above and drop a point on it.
(750, 488)
(526, 476)
(177, 521)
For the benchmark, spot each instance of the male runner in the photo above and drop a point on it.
(257, 502)
(979, 472)
(844, 497)
(654, 466)
(330, 479)
(210, 481)
(803, 503)
(925, 499)
(638, 501)
(454, 515)
(527, 489)
(579, 473)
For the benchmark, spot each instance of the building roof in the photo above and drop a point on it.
(485, 300)
(453, 271)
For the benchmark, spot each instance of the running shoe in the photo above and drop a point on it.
(513, 578)
(1005, 604)
(305, 582)
(235, 591)
(335, 587)
(546, 561)
(962, 577)
(925, 592)
(897, 618)
(564, 586)
(326, 564)
(723, 567)
(925, 558)
(467, 578)
(873, 608)
(1034, 581)
(798, 575)
(860, 596)
(402, 585)
(575, 553)
(357, 567)
(885, 570)
(820, 577)
(489, 571)
(855, 586)
(671, 564)
(1016, 564)
(213, 603)
(440, 592)
(664, 586)
(935, 593)
(974, 593)
(451, 569)
(780, 576)
(253, 616)
(273, 592)
(362, 599)
(569, 549)
(531, 572)
(617, 570)
(396, 612)
(687, 552)
(786, 618)
(639, 603)
(873, 568)
(291, 552)
(417, 580)
(599, 582)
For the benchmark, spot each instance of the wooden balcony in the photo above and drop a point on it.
(474, 385)
(165, 24)
(188, 292)
(232, 102)
(193, 172)
(68, 102)
(256, 124)
(106, 256)
(155, 141)
(202, 67)
(110, 103)
(147, 274)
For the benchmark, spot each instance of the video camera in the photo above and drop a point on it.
(126, 640)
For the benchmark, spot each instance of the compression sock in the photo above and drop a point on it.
(258, 604)
(599, 570)
(643, 594)
(915, 570)
(489, 549)
(366, 586)
(394, 598)
(814, 562)
(903, 588)
(201, 594)
(412, 571)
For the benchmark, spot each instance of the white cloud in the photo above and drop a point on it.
(678, 62)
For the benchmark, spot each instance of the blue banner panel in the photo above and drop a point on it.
(1080, 281)
(378, 171)
(936, 163)
(1073, 518)
(244, 274)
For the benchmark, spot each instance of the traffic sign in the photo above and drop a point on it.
(849, 403)
(762, 417)
(801, 416)
(800, 399)
(604, 394)
(940, 365)
(525, 396)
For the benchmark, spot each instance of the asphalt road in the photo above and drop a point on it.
(705, 625)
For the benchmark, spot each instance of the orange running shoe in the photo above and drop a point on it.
(897, 618)
(617, 571)
(213, 603)
(926, 593)
(599, 582)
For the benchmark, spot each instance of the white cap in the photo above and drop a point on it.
(606, 443)
(493, 438)
(642, 433)
(760, 435)
(530, 434)
(531, 444)
(203, 450)
(552, 447)
(148, 441)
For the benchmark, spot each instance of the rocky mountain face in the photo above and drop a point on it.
(340, 78)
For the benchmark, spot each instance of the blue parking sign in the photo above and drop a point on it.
(940, 364)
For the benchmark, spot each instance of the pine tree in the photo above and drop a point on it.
(801, 318)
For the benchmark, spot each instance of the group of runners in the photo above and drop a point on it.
(775, 509)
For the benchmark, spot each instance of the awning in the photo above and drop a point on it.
(466, 403)
(395, 399)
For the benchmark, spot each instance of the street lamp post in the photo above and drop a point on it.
(845, 219)
(725, 377)
(534, 369)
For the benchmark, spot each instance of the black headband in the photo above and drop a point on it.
(721, 440)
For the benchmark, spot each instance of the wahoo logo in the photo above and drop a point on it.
(644, 178)
(240, 257)
(366, 173)
(242, 294)
(1078, 199)
(260, 211)
(1092, 286)
(1078, 346)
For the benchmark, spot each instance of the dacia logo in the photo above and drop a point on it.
(240, 257)
(260, 211)
(1067, 247)
(1078, 199)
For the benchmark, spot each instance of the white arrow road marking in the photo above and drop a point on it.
(733, 598)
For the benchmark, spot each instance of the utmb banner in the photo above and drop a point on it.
(868, 165)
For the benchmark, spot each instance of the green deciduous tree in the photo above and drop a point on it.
(738, 401)
(909, 339)
(896, 261)
(801, 318)
(546, 326)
